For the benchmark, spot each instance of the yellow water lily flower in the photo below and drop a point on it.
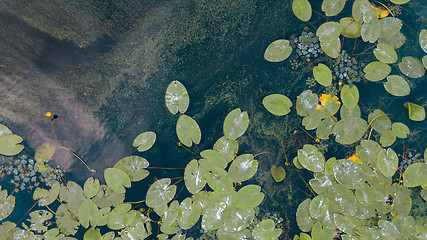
(324, 99)
(355, 158)
(48, 114)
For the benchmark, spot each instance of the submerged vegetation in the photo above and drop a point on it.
(367, 195)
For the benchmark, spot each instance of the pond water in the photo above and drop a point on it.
(103, 67)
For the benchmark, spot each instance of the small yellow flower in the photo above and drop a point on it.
(48, 114)
(340, 83)
(355, 158)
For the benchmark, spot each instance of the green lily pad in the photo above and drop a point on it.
(297, 164)
(365, 195)
(171, 214)
(242, 168)
(235, 124)
(38, 219)
(332, 7)
(160, 192)
(329, 31)
(7, 204)
(370, 31)
(349, 174)
(362, 11)
(228, 148)
(278, 51)
(424, 60)
(349, 130)
(350, 113)
(88, 212)
(44, 153)
(397, 86)
(350, 96)
(304, 220)
(322, 74)
(9, 144)
(277, 104)
(390, 27)
(134, 167)
(379, 121)
(236, 220)
(319, 232)
(415, 111)
(278, 173)
(212, 158)
(193, 177)
(351, 28)
(332, 47)
(144, 141)
(423, 39)
(395, 42)
(387, 138)
(302, 9)
(387, 162)
(400, 130)
(266, 230)
(399, 1)
(189, 213)
(345, 223)
(66, 221)
(121, 216)
(107, 198)
(412, 67)
(415, 175)
(117, 179)
(188, 131)
(177, 99)
(385, 53)
(318, 206)
(219, 179)
(311, 158)
(91, 187)
(248, 197)
(324, 128)
(46, 197)
(376, 71)
(306, 103)
(212, 219)
(4, 130)
(93, 234)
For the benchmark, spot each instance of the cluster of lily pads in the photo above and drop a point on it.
(354, 192)
(213, 179)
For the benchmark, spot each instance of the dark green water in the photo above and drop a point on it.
(104, 67)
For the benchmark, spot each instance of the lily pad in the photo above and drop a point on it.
(376, 71)
(400, 130)
(423, 40)
(371, 31)
(424, 60)
(278, 51)
(193, 177)
(387, 138)
(189, 213)
(188, 130)
(385, 53)
(7, 204)
(351, 28)
(144, 141)
(236, 220)
(277, 104)
(248, 197)
(362, 11)
(134, 167)
(399, 1)
(66, 221)
(345, 112)
(319, 206)
(387, 162)
(322, 74)
(235, 124)
(306, 103)
(228, 148)
(396, 41)
(412, 67)
(332, 47)
(88, 212)
(350, 96)
(38, 219)
(311, 158)
(324, 128)
(379, 121)
(117, 179)
(329, 31)
(242, 168)
(304, 220)
(397, 86)
(332, 7)
(415, 175)
(9, 144)
(91, 187)
(302, 9)
(266, 230)
(121, 216)
(349, 130)
(46, 197)
(365, 195)
(4, 130)
(160, 192)
(329, 104)
(415, 111)
(278, 173)
(349, 174)
(177, 99)
(390, 27)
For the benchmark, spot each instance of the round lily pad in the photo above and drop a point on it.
(397, 86)
(376, 71)
(387, 162)
(188, 131)
(189, 213)
(400, 130)
(277, 104)
(88, 212)
(412, 67)
(385, 53)
(160, 192)
(248, 197)
(318, 206)
(349, 174)
(322, 74)
(371, 31)
(345, 112)
(351, 28)
(91, 187)
(415, 175)
(302, 9)
(117, 179)
(415, 111)
(134, 167)
(242, 168)
(365, 195)
(331, 47)
(304, 220)
(193, 177)
(324, 128)
(350, 96)
(266, 230)
(7, 204)
(423, 39)
(332, 7)
(228, 148)
(144, 141)
(311, 158)
(306, 103)
(329, 31)
(278, 173)
(379, 121)
(387, 138)
(235, 124)
(9, 144)
(390, 26)
(362, 11)
(349, 130)
(278, 51)
(176, 98)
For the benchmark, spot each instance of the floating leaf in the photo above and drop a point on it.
(134, 167)
(332, 47)
(176, 98)
(399, 1)
(415, 111)
(306, 103)
(423, 39)
(412, 67)
(107, 198)
(235, 124)
(248, 197)
(329, 104)
(193, 177)
(189, 213)
(121, 216)
(397, 86)
(188, 130)
(93, 234)
(4, 130)
(66, 221)
(144, 141)
(311, 158)
(212, 158)
(318, 206)
(266, 230)
(311, 121)
(415, 175)
(387, 138)
(379, 121)
(44, 153)
(236, 220)
(38, 219)
(9, 144)
(370, 31)
(385, 53)
(349, 130)
(242, 168)
(400, 130)
(376, 71)
(302, 9)
(395, 42)
(278, 173)
(349, 174)
(7, 204)
(362, 11)
(218, 179)
(387, 162)
(350, 96)
(324, 128)
(91, 187)
(390, 27)
(277, 104)
(332, 7)
(351, 28)
(322, 74)
(46, 197)
(318, 232)
(212, 219)
(278, 51)
(116, 179)
(228, 148)
(365, 195)
(350, 113)
(424, 60)
(304, 220)
(88, 212)
(160, 192)
(171, 214)
(329, 31)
